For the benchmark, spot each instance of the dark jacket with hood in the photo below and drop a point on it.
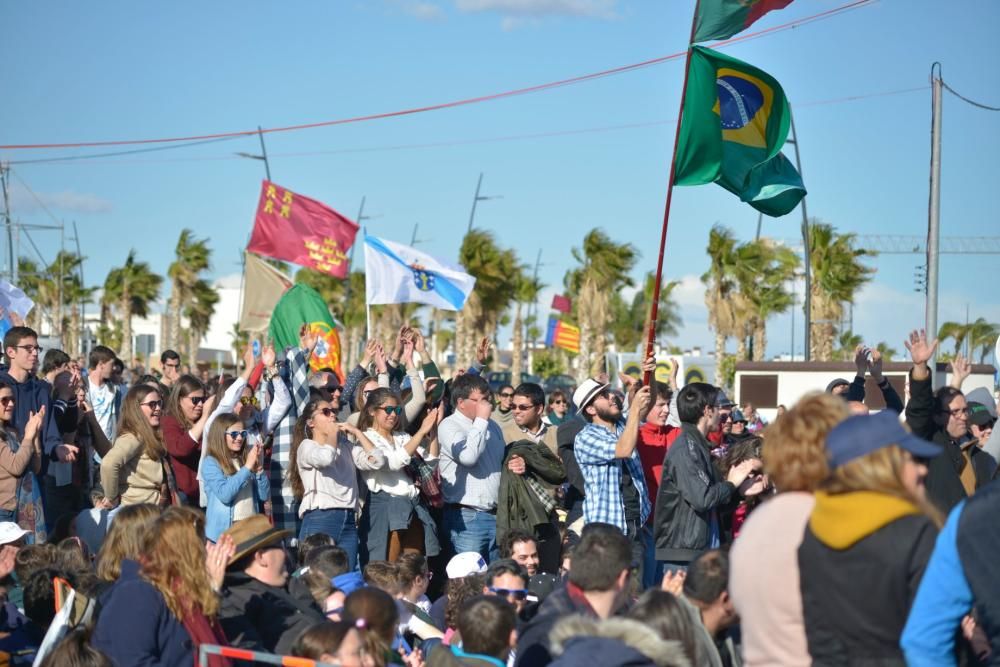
(615, 642)
(944, 472)
(691, 489)
(860, 564)
(266, 618)
(533, 648)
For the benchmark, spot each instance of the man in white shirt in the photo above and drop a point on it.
(472, 451)
(102, 394)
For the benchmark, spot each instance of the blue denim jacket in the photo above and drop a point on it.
(222, 489)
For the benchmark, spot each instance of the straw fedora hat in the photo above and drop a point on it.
(254, 533)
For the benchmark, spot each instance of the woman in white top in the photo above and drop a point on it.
(323, 467)
(395, 519)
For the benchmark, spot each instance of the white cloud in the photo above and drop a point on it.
(23, 201)
(419, 9)
(515, 12)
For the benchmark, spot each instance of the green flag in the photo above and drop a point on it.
(721, 19)
(734, 124)
(300, 305)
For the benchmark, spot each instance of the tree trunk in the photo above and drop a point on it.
(126, 306)
(720, 352)
(760, 340)
(459, 340)
(174, 335)
(518, 347)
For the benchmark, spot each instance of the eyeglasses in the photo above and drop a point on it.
(392, 409)
(197, 400)
(153, 405)
(327, 412)
(249, 400)
(6, 400)
(558, 403)
(29, 348)
(520, 407)
(242, 435)
(516, 593)
(507, 394)
(957, 412)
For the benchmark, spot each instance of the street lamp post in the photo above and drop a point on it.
(478, 198)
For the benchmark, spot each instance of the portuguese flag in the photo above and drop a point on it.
(300, 305)
(721, 19)
(734, 123)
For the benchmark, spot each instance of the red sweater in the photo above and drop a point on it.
(185, 453)
(654, 441)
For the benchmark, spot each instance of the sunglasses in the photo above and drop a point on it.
(516, 593)
(327, 412)
(6, 400)
(242, 435)
(197, 400)
(558, 403)
(249, 400)
(507, 394)
(520, 407)
(392, 409)
(153, 405)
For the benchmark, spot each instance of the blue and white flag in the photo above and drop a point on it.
(395, 273)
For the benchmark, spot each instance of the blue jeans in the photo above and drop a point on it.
(7, 515)
(338, 524)
(652, 571)
(471, 530)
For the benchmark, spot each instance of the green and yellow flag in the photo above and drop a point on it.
(734, 124)
(300, 305)
(721, 19)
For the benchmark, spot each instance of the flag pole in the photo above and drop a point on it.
(651, 335)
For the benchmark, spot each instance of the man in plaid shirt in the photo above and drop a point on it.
(606, 452)
(295, 375)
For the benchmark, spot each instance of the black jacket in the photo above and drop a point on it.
(691, 488)
(944, 472)
(259, 617)
(566, 438)
(534, 648)
(860, 563)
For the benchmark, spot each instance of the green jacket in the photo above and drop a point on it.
(518, 506)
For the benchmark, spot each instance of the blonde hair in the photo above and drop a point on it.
(215, 444)
(794, 450)
(134, 421)
(125, 539)
(880, 471)
(174, 563)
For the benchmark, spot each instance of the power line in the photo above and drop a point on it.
(966, 99)
(455, 103)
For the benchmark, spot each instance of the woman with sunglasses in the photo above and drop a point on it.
(558, 408)
(234, 478)
(323, 469)
(395, 520)
(20, 463)
(183, 425)
(134, 471)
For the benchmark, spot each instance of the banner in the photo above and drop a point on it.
(302, 231)
(263, 286)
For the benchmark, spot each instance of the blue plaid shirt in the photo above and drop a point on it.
(594, 447)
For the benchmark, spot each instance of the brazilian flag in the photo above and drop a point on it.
(734, 124)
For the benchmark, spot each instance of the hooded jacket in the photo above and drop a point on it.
(615, 642)
(860, 563)
(266, 618)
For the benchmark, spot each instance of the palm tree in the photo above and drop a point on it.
(838, 274)
(888, 353)
(631, 320)
(763, 270)
(130, 289)
(847, 343)
(525, 292)
(722, 296)
(193, 257)
(604, 270)
(982, 338)
(496, 273)
(199, 310)
(954, 330)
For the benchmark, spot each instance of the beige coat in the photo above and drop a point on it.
(126, 471)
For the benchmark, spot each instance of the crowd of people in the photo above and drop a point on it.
(398, 517)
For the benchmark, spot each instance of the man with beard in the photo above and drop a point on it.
(605, 449)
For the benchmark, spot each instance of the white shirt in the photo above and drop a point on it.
(391, 478)
(329, 473)
(471, 455)
(102, 400)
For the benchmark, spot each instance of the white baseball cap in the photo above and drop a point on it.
(464, 564)
(11, 532)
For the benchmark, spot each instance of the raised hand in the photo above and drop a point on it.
(34, 424)
(673, 582)
(875, 365)
(483, 351)
(268, 355)
(920, 350)
(961, 368)
(430, 420)
(248, 355)
(407, 356)
(371, 347)
(217, 558)
(253, 458)
(418, 342)
(307, 338)
(861, 360)
(641, 402)
(484, 409)
(381, 365)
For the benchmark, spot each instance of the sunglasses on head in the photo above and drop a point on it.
(242, 435)
(392, 409)
(516, 593)
(249, 400)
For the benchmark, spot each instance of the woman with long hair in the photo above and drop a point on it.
(125, 539)
(235, 481)
(395, 519)
(323, 469)
(20, 464)
(867, 543)
(137, 469)
(164, 607)
(183, 424)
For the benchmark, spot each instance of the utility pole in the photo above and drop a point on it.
(11, 250)
(934, 211)
(83, 314)
(807, 254)
(478, 198)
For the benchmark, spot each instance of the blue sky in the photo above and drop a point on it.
(119, 70)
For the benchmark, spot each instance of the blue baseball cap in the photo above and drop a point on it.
(863, 434)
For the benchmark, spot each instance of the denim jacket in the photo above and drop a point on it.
(222, 490)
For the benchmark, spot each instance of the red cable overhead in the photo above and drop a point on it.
(455, 103)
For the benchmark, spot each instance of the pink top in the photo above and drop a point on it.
(764, 581)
